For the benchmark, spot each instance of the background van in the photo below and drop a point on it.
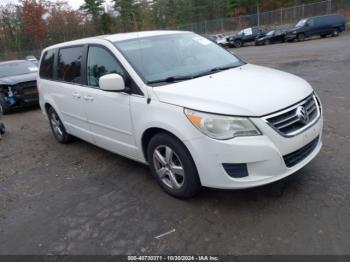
(317, 26)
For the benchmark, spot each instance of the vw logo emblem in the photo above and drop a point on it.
(302, 115)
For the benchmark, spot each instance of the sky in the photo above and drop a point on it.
(75, 4)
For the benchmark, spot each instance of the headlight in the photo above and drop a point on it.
(222, 127)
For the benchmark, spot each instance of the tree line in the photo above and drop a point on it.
(35, 24)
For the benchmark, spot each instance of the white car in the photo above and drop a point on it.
(194, 112)
(219, 39)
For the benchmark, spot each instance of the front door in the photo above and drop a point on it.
(108, 113)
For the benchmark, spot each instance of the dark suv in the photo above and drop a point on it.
(317, 26)
(245, 36)
(17, 85)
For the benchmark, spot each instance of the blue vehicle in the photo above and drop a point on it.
(317, 26)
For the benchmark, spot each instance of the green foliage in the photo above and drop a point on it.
(93, 7)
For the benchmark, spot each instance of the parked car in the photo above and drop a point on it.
(245, 36)
(194, 112)
(317, 26)
(32, 59)
(218, 39)
(17, 85)
(272, 37)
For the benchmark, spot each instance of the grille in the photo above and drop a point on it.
(27, 84)
(296, 157)
(28, 88)
(295, 119)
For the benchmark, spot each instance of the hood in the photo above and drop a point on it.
(13, 80)
(249, 90)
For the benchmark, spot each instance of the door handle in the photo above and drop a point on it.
(88, 98)
(76, 95)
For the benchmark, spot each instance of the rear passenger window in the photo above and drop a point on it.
(46, 65)
(69, 64)
(101, 62)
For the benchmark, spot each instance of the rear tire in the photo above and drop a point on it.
(172, 166)
(323, 36)
(57, 127)
(4, 107)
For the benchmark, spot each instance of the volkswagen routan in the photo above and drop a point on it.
(198, 115)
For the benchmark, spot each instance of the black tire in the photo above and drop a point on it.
(57, 127)
(2, 129)
(238, 43)
(4, 107)
(323, 36)
(190, 180)
(335, 32)
(301, 37)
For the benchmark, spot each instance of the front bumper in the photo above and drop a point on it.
(263, 156)
(25, 94)
(290, 37)
(259, 42)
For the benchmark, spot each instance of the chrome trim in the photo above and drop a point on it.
(304, 128)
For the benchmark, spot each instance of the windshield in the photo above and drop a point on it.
(301, 23)
(271, 32)
(17, 68)
(175, 56)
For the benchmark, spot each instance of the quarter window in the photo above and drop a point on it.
(46, 65)
(69, 64)
(100, 63)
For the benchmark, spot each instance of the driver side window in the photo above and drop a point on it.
(100, 62)
(310, 22)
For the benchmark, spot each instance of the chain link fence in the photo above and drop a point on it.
(282, 17)
(276, 18)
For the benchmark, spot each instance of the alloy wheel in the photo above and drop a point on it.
(168, 167)
(56, 124)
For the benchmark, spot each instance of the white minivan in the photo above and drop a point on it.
(194, 112)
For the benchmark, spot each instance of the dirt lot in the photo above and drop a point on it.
(79, 199)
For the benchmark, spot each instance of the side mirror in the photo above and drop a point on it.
(112, 82)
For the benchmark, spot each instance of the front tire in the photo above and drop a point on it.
(172, 166)
(4, 107)
(2, 129)
(335, 32)
(57, 127)
(301, 37)
(238, 43)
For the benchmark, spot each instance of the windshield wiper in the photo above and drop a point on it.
(171, 79)
(215, 70)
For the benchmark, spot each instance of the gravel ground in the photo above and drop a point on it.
(79, 199)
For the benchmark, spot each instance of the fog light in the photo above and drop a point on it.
(236, 170)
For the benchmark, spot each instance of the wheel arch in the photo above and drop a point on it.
(47, 106)
(149, 133)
